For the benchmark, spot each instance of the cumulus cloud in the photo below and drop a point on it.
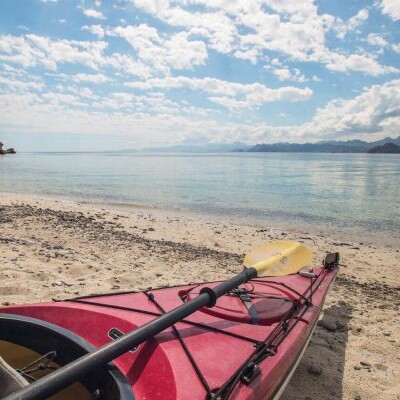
(91, 78)
(366, 113)
(161, 52)
(248, 29)
(286, 74)
(376, 40)
(373, 113)
(343, 28)
(128, 78)
(229, 94)
(391, 8)
(96, 30)
(33, 50)
(354, 62)
(18, 85)
(91, 13)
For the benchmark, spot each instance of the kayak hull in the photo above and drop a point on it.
(246, 347)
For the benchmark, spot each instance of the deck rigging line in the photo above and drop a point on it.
(263, 349)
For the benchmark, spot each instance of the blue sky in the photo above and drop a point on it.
(142, 73)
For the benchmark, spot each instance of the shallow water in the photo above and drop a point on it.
(356, 193)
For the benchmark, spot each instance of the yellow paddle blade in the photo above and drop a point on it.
(278, 258)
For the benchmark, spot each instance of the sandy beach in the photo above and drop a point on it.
(54, 249)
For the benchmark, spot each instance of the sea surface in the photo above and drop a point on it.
(357, 194)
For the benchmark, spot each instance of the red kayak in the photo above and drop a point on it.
(245, 347)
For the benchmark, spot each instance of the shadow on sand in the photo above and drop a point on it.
(320, 373)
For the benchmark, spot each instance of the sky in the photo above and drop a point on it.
(96, 75)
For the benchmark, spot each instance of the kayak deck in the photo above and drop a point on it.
(243, 348)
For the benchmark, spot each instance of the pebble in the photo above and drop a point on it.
(314, 369)
(328, 325)
(365, 363)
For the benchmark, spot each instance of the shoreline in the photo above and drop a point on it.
(356, 236)
(55, 249)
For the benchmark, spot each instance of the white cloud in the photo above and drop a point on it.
(61, 99)
(128, 115)
(372, 114)
(33, 50)
(354, 62)
(91, 13)
(391, 8)
(222, 23)
(97, 30)
(366, 113)
(160, 52)
(229, 94)
(280, 36)
(285, 74)
(248, 29)
(92, 78)
(20, 85)
(342, 28)
(376, 40)
(128, 65)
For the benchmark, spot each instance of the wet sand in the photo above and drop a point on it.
(53, 249)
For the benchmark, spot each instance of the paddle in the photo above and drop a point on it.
(274, 259)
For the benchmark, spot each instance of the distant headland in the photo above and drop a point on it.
(388, 148)
(387, 145)
(7, 151)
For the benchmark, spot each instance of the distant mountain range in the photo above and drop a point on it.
(350, 146)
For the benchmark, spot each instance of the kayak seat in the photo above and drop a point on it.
(10, 379)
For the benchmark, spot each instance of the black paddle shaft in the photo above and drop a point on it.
(72, 372)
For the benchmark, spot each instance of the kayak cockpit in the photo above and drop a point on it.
(31, 348)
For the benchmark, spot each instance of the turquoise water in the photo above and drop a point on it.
(348, 192)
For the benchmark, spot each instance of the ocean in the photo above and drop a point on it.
(345, 194)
